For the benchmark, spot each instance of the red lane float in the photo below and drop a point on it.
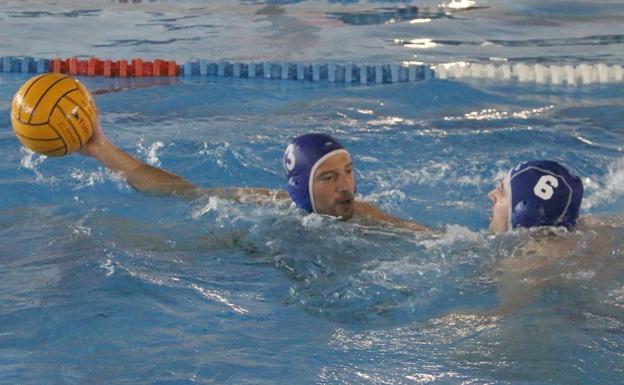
(120, 68)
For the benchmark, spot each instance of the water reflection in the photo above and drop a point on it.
(388, 15)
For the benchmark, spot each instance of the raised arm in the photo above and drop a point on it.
(146, 178)
(140, 175)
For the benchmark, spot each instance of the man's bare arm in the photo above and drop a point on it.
(147, 178)
(369, 212)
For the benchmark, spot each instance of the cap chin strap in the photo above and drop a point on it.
(313, 171)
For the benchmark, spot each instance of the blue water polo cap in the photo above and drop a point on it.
(543, 193)
(301, 158)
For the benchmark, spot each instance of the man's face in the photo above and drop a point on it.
(500, 209)
(333, 185)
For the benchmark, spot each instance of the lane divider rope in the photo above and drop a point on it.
(331, 72)
(348, 73)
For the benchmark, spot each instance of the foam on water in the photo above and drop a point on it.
(605, 188)
(31, 160)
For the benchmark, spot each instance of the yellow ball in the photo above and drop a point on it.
(53, 114)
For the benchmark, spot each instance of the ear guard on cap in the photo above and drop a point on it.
(303, 154)
(543, 193)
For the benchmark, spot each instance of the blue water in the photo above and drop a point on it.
(101, 284)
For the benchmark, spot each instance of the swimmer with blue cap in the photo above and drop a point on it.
(320, 175)
(318, 168)
(536, 193)
(321, 180)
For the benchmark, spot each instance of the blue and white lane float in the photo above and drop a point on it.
(358, 73)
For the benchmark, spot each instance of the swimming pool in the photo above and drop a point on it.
(100, 284)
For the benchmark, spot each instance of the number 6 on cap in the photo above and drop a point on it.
(546, 186)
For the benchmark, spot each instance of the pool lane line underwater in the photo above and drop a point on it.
(347, 73)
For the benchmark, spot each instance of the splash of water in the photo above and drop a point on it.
(150, 152)
(606, 188)
(31, 161)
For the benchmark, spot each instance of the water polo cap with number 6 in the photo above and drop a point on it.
(543, 193)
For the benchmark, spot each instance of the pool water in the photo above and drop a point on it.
(102, 284)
